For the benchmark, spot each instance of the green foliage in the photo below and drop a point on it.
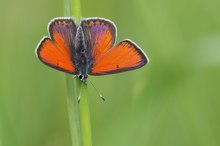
(173, 101)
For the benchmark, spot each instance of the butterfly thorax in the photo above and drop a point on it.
(81, 60)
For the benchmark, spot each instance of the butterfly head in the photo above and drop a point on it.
(82, 77)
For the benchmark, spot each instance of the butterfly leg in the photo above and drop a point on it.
(80, 94)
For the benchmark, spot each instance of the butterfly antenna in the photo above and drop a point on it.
(100, 95)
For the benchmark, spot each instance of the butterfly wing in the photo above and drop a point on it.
(123, 57)
(99, 35)
(57, 50)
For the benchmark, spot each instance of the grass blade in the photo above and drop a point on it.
(79, 118)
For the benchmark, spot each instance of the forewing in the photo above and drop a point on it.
(123, 57)
(57, 50)
(100, 35)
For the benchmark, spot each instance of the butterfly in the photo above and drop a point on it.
(88, 48)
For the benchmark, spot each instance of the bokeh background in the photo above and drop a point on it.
(173, 101)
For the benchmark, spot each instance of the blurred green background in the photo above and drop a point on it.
(173, 101)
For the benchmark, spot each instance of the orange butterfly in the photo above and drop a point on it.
(88, 48)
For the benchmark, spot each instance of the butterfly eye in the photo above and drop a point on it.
(80, 77)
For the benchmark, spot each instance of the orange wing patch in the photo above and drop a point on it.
(123, 57)
(55, 55)
(56, 51)
(103, 43)
(99, 35)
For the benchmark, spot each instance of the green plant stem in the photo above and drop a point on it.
(85, 118)
(75, 9)
(73, 91)
(73, 88)
(78, 117)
